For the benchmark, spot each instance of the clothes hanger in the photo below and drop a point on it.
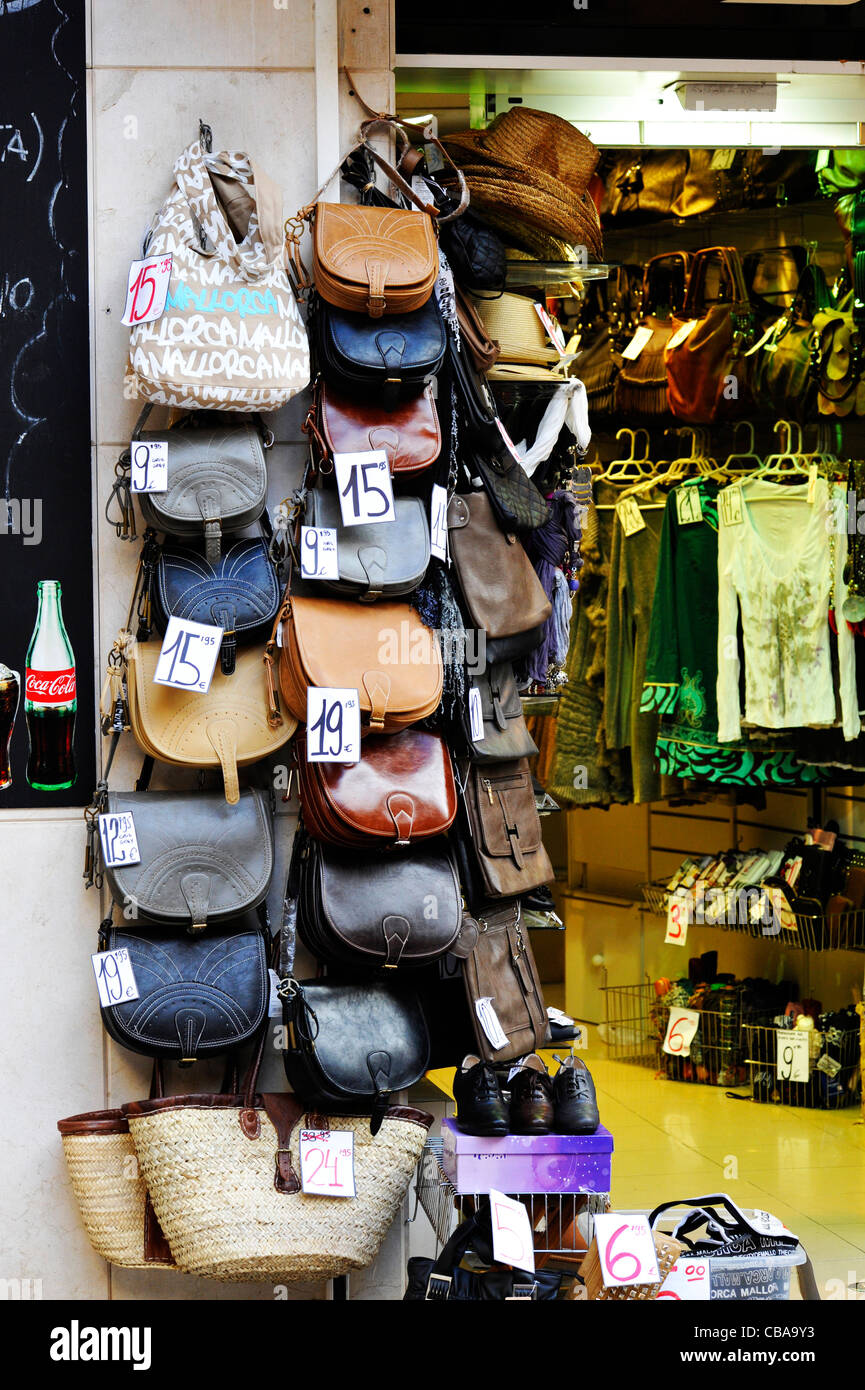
(789, 461)
(624, 471)
(746, 462)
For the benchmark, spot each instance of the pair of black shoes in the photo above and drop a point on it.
(539, 1103)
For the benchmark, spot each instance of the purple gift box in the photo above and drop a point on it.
(528, 1162)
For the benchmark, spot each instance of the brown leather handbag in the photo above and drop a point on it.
(502, 968)
(503, 595)
(402, 790)
(410, 434)
(374, 260)
(483, 350)
(639, 184)
(707, 373)
(641, 386)
(501, 850)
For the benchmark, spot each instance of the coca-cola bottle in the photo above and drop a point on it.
(49, 696)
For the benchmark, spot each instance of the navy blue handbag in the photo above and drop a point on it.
(397, 355)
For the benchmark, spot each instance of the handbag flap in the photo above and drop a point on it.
(502, 967)
(400, 344)
(410, 434)
(500, 699)
(201, 859)
(368, 1029)
(241, 585)
(212, 474)
(505, 806)
(378, 555)
(498, 582)
(374, 248)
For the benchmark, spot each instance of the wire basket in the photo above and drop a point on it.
(833, 1080)
(718, 1049)
(655, 897)
(628, 1029)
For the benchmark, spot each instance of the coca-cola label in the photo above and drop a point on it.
(50, 687)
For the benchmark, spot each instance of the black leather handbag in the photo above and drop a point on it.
(505, 732)
(442, 1280)
(396, 356)
(196, 998)
(350, 1045)
(379, 559)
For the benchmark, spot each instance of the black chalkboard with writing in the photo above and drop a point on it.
(45, 455)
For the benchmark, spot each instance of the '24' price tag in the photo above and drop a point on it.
(118, 838)
(188, 656)
(332, 725)
(327, 1162)
(365, 488)
(681, 1027)
(147, 290)
(149, 471)
(115, 978)
(627, 1250)
(512, 1233)
(319, 558)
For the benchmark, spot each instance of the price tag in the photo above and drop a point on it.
(332, 725)
(630, 516)
(823, 157)
(730, 503)
(688, 1281)
(365, 488)
(146, 290)
(681, 333)
(149, 471)
(118, 838)
(689, 507)
(476, 714)
(319, 557)
(439, 522)
(637, 343)
(681, 1027)
(723, 159)
(512, 1233)
(554, 332)
(327, 1162)
(812, 483)
(626, 1249)
(512, 448)
(678, 919)
(793, 1055)
(115, 978)
(432, 158)
(188, 656)
(489, 1021)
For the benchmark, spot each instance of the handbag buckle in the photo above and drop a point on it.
(443, 1292)
(521, 1291)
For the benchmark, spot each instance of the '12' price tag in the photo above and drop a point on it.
(327, 1162)
(146, 290)
(688, 1281)
(188, 656)
(118, 839)
(319, 558)
(678, 918)
(439, 522)
(365, 488)
(115, 978)
(332, 725)
(476, 714)
(149, 471)
(512, 1233)
(793, 1055)
(626, 1249)
(681, 1027)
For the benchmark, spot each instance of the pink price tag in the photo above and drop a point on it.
(512, 1233)
(327, 1162)
(146, 290)
(627, 1250)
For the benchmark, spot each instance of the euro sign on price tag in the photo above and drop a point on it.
(678, 918)
(512, 1233)
(327, 1162)
(476, 714)
(626, 1250)
(188, 656)
(115, 978)
(365, 488)
(793, 1055)
(149, 465)
(681, 1027)
(147, 290)
(688, 1281)
(332, 725)
(319, 557)
(118, 839)
(439, 522)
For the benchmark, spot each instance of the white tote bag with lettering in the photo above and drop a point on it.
(231, 336)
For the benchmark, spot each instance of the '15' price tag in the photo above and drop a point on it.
(793, 1055)
(687, 1281)
(188, 656)
(332, 725)
(439, 522)
(319, 558)
(365, 488)
(327, 1162)
(118, 838)
(681, 1027)
(149, 472)
(678, 917)
(146, 290)
(626, 1249)
(115, 978)
(512, 1233)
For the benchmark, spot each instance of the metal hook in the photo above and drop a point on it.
(205, 136)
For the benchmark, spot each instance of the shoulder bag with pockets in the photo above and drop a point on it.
(505, 733)
(502, 968)
(501, 852)
(502, 593)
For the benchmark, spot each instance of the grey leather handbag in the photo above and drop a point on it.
(379, 559)
(505, 732)
(203, 861)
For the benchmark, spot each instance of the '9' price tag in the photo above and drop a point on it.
(149, 472)
(365, 488)
(681, 1027)
(332, 725)
(188, 656)
(319, 558)
(512, 1233)
(115, 978)
(327, 1162)
(793, 1055)
(439, 522)
(678, 917)
(147, 290)
(626, 1249)
(687, 1281)
(119, 840)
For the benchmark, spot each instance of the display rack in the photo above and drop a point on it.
(538, 274)
(834, 931)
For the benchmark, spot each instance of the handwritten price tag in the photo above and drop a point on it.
(626, 1249)
(118, 839)
(146, 290)
(327, 1162)
(476, 714)
(319, 557)
(332, 725)
(630, 516)
(512, 1233)
(188, 656)
(149, 472)
(793, 1051)
(365, 488)
(681, 1027)
(678, 918)
(689, 507)
(730, 504)
(438, 522)
(688, 1281)
(115, 978)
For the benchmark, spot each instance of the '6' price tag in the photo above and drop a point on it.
(332, 725)
(118, 839)
(319, 558)
(327, 1162)
(512, 1233)
(115, 978)
(149, 470)
(188, 656)
(146, 290)
(687, 1281)
(681, 1027)
(365, 488)
(793, 1055)
(626, 1249)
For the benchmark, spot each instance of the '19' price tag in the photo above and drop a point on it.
(439, 522)
(365, 488)
(687, 1281)
(681, 1027)
(327, 1162)
(118, 839)
(146, 290)
(626, 1249)
(332, 725)
(319, 558)
(149, 472)
(188, 656)
(512, 1233)
(678, 918)
(115, 978)
(793, 1055)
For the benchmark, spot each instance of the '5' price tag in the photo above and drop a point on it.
(119, 840)
(147, 290)
(327, 1162)
(365, 488)
(332, 725)
(687, 1281)
(149, 472)
(115, 978)
(188, 656)
(319, 558)
(512, 1233)
(626, 1249)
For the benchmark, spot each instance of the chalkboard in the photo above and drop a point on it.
(45, 455)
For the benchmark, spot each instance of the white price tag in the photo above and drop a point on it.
(115, 978)
(626, 1249)
(689, 507)
(637, 343)
(146, 290)
(476, 714)
(149, 467)
(508, 441)
(630, 516)
(439, 522)
(327, 1162)
(274, 1003)
(681, 333)
(723, 159)
(189, 654)
(319, 557)
(730, 505)
(489, 1021)
(118, 839)
(553, 331)
(365, 488)
(681, 1027)
(793, 1055)
(332, 725)
(688, 1281)
(678, 919)
(512, 1233)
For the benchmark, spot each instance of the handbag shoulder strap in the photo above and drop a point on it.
(729, 257)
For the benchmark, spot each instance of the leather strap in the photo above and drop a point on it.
(284, 1112)
(222, 737)
(401, 810)
(373, 560)
(377, 685)
(195, 888)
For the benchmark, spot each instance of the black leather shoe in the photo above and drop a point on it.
(531, 1098)
(481, 1107)
(576, 1105)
